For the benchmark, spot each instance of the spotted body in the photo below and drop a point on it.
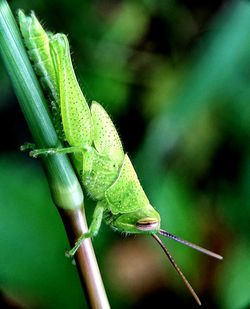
(105, 171)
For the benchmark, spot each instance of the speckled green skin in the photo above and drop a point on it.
(105, 171)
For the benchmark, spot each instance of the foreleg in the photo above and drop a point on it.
(50, 151)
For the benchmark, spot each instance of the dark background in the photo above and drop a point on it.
(175, 78)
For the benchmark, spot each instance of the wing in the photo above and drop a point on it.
(105, 137)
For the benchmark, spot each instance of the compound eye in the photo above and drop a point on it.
(147, 224)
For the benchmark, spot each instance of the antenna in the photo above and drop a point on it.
(188, 285)
(191, 245)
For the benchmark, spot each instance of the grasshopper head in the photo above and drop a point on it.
(143, 221)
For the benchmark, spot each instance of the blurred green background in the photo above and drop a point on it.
(175, 78)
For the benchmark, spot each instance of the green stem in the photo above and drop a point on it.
(64, 185)
(65, 188)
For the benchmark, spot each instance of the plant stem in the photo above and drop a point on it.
(75, 225)
(64, 185)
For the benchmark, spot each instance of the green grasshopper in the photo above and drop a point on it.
(104, 170)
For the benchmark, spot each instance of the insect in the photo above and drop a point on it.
(105, 171)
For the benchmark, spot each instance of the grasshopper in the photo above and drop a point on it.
(105, 171)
